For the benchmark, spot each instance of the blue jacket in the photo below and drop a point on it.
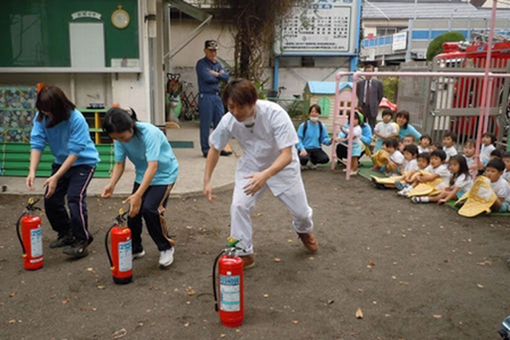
(312, 140)
(67, 137)
(207, 83)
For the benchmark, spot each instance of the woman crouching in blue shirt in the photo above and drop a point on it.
(64, 128)
(156, 171)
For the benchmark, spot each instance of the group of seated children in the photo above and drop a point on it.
(429, 172)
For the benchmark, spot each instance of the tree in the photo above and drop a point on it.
(436, 45)
(254, 22)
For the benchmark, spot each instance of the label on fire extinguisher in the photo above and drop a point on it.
(230, 296)
(36, 242)
(125, 257)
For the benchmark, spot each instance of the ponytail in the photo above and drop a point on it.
(118, 120)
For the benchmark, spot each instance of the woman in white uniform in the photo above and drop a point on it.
(268, 138)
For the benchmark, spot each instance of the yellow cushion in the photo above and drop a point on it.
(479, 199)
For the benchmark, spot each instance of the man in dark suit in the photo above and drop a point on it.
(369, 92)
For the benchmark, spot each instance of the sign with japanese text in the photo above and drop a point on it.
(322, 28)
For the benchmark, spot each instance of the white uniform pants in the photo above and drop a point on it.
(241, 225)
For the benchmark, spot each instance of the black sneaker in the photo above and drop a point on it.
(78, 249)
(62, 241)
(225, 153)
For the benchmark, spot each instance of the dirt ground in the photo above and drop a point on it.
(415, 271)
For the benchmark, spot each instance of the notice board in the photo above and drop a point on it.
(36, 33)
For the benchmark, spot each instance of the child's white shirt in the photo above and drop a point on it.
(501, 188)
(506, 175)
(386, 129)
(485, 153)
(422, 150)
(356, 134)
(450, 152)
(397, 157)
(428, 168)
(469, 160)
(463, 182)
(444, 174)
(411, 166)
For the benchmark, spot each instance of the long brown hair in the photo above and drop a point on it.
(52, 99)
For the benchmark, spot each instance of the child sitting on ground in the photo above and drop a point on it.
(469, 153)
(494, 172)
(460, 183)
(506, 160)
(488, 140)
(312, 134)
(496, 153)
(435, 146)
(356, 141)
(439, 170)
(449, 145)
(410, 164)
(395, 159)
(385, 129)
(424, 144)
(405, 185)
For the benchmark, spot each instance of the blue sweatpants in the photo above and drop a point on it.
(210, 109)
(74, 185)
(154, 202)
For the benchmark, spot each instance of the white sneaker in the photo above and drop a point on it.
(138, 255)
(166, 258)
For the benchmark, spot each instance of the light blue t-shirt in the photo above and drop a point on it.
(149, 144)
(67, 137)
(410, 130)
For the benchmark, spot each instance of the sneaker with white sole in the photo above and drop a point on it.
(166, 258)
(139, 255)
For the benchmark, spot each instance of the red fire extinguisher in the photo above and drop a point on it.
(230, 280)
(121, 258)
(28, 228)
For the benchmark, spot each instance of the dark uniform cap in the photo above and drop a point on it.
(211, 45)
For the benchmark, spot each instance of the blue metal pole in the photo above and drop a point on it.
(276, 72)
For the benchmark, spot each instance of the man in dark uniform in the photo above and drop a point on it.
(210, 107)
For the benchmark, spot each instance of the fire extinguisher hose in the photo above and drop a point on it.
(214, 280)
(18, 223)
(106, 245)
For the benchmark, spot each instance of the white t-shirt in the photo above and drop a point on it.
(444, 173)
(411, 166)
(485, 153)
(397, 157)
(422, 150)
(261, 144)
(463, 182)
(356, 134)
(428, 168)
(386, 129)
(469, 160)
(450, 152)
(506, 175)
(501, 188)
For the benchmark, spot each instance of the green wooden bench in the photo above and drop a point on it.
(15, 160)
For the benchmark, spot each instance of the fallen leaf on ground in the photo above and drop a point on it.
(12, 321)
(266, 295)
(437, 316)
(66, 300)
(277, 259)
(12, 294)
(190, 291)
(330, 302)
(100, 287)
(54, 296)
(479, 285)
(186, 324)
(359, 314)
(140, 324)
(371, 264)
(295, 322)
(119, 333)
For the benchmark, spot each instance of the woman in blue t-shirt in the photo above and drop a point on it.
(156, 171)
(65, 130)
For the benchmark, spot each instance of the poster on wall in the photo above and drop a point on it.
(322, 28)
